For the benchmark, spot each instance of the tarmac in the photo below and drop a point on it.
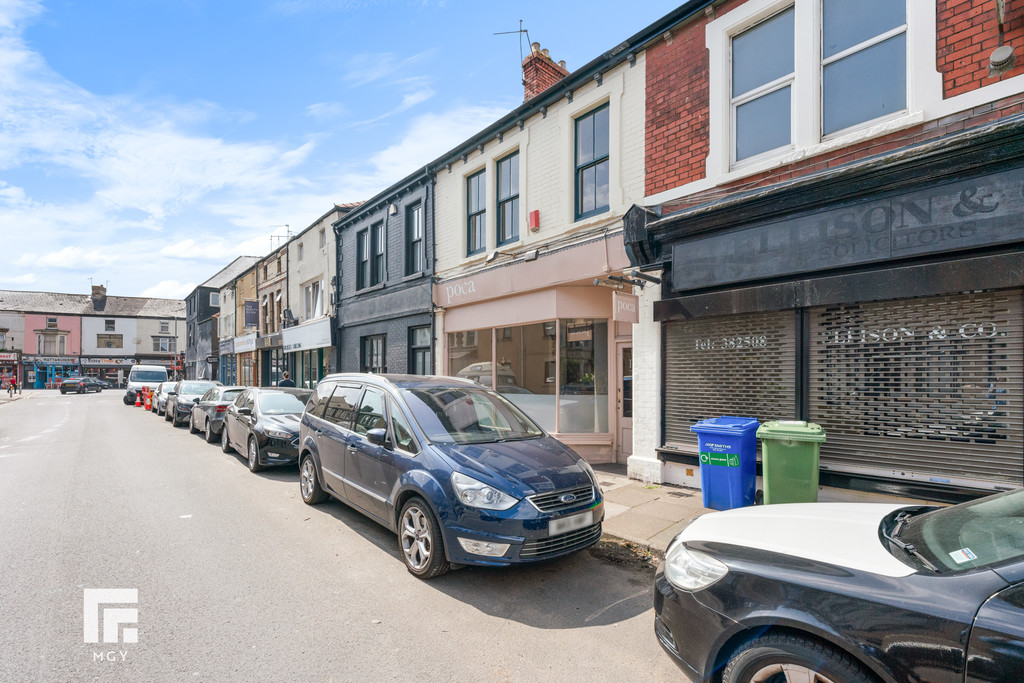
(649, 515)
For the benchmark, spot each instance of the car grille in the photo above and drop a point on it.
(555, 545)
(551, 502)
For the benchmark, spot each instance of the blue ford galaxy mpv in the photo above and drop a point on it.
(457, 471)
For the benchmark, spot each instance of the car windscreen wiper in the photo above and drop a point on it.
(909, 548)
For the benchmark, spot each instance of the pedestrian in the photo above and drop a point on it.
(285, 381)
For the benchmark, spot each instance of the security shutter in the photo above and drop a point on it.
(743, 365)
(926, 389)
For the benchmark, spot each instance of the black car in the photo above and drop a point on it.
(263, 423)
(80, 385)
(208, 414)
(183, 396)
(848, 592)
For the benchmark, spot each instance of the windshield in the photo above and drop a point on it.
(978, 534)
(468, 415)
(196, 387)
(281, 403)
(230, 395)
(148, 376)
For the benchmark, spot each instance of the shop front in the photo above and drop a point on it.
(308, 350)
(891, 315)
(228, 365)
(245, 359)
(555, 350)
(46, 372)
(9, 368)
(113, 370)
(272, 361)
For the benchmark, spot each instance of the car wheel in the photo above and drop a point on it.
(63, 391)
(125, 400)
(254, 455)
(167, 414)
(309, 485)
(192, 429)
(419, 539)
(784, 657)
(211, 435)
(225, 442)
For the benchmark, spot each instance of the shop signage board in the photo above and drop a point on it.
(245, 343)
(625, 308)
(311, 335)
(979, 212)
(252, 313)
(8, 357)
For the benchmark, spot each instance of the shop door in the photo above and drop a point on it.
(927, 389)
(624, 398)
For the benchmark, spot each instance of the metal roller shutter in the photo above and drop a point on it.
(927, 389)
(741, 365)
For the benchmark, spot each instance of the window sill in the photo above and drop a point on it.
(372, 288)
(414, 276)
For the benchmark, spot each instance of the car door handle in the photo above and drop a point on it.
(352, 448)
(318, 432)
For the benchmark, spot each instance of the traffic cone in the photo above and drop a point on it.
(138, 401)
(149, 399)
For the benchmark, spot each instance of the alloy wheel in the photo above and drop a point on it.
(788, 673)
(252, 453)
(307, 478)
(417, 543)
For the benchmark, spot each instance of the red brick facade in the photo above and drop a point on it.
(678, 99)
(540, 72)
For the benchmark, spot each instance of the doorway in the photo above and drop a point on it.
(624, 401)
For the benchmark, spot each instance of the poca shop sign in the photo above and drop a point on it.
(457, 292)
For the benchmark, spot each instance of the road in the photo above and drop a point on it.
(238, 580)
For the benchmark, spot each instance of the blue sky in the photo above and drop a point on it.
(146, 143)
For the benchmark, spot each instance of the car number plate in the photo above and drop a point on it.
(567, 524)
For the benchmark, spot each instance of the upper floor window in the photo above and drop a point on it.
(323, 237)
(312, 301)
(264, 271)
(51, 323)
(301, 250)
(215, 299)
(278, 264)
(109, 341)
(362, 259)
(165, 344)
(508, 199)
(165, 326)
(795, 72)
(414, 256)
(377, 262)
(476, 213)
(108, 325)
(592, 166)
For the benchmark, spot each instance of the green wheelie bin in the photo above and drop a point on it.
(789, 460)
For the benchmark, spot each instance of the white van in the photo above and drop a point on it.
(143, 376)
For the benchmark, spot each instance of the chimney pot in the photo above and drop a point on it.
(545, 53)
(535, 47)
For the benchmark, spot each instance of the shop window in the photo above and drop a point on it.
(469, 354)
(419, 350)
(414, 252)
(524, 372)
(508, 199)
(592, 163)
(583, 384)
(374, 354)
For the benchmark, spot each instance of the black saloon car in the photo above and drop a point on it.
(263, 424)
(183, 396)
(208, 414)
(80, 385)
(846, 592)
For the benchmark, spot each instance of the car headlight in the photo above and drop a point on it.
(590, 472)
(692, 570)
(278, 434)
(479, 495)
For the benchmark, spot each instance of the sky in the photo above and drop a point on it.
(144, 144)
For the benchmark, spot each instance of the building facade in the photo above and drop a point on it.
(247, 321)
(833, 203)
(385, 252)
(272, 293)
(202, 308)
(529, 222)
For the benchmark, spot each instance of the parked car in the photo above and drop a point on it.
(159, 401)
(183, 396)
(847, 592)
(143, 376)
(80, 385)
(263, 424)
(460, 473)
(208, 414)
(106, 384)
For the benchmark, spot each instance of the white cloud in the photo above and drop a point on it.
(19, 280)
(169, 289)
(68, 258)
(370, 67)
(323, 111)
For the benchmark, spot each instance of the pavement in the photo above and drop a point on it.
(649, 515)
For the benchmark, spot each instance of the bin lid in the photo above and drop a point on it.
(794, 430)
(727, 424)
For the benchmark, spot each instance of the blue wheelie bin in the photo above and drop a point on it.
(728, 461)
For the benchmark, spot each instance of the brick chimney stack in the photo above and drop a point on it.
(99, 297)
(540, 72)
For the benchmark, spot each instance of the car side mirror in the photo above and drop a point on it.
(378, 437)
(195, 400)
(245, 411)
(172, 393)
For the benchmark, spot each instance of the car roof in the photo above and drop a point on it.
(278, 390)
(403, 381)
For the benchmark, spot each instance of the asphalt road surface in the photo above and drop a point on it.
(238, 580)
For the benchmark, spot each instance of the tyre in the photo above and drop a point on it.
(253, 455)
(225, 443)
(192, 429)
(309, 484)
(419, 539)
(82, 390)
(167, 413)
(786, 657)
(64, 391)
(211, 435)
(125, 400)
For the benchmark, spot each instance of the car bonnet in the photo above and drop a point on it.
(842, 534)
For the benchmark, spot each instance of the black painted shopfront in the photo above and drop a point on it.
(882, 300)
